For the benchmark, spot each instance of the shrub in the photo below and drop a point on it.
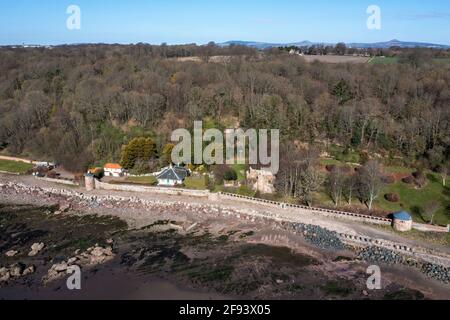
(52, 175)
(346, 169)
(420, 178)
(392, 197)
(418, 174)
(388, 179)
(245, 191)
(408, 179)
(230, 175)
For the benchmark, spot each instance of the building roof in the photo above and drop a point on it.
(174, 173)
(113, 166)
(402, 215)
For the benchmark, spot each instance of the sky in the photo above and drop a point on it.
(200, 21)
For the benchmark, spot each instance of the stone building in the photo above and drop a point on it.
(261, 180)
(402, 221)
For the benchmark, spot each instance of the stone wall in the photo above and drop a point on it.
(135, 188)
(326, 212)
(60, 181)
(420, 253)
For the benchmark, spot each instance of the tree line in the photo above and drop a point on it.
(79, 105)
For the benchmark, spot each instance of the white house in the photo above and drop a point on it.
(113, 170)
(172, 176)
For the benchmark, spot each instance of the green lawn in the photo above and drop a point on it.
(240, 170)
(340, 154)
(196, 183)
(150, 180)
(412, 200)
(415, 201)
(15, 166)
(443, 60)
(385, 60)
(392, 60)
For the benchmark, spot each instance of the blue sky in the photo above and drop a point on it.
(201, 21)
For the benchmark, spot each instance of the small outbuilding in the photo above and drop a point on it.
(402, 221)
(113, 170)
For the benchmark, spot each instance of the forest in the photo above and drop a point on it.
(81, 105)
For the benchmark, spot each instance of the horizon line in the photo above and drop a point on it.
(217, 43)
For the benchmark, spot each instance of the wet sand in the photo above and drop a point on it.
(110, 284)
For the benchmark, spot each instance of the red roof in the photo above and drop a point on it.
(112, 166)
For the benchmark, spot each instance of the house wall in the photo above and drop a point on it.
(113, 172)
(169, 183)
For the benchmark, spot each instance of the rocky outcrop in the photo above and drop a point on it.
(262, 180)
(93, 256)
(35, 249)
(15, 271)
(11, 253)
(63, 208)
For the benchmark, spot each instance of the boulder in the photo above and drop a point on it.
(16, 270)
(64, 207)
(30, 270)
(60, 267)
(72, 260)
(35, 249)
(11, 253)
(4, 275)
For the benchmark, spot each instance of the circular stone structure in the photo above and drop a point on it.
(402, 221)
(89, 181)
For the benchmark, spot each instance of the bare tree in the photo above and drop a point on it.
(431, 210)
(336, 182)
(443, 171)
(351, 183)
(370, 182)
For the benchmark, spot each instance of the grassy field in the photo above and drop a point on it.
(335, 59)
(416, 201)
(151, 180)
(412, 199)
(240, 170)
(15, 166)
(443, 60)
(342, 155)
(392, 60)
(196, 183)
(384, 60)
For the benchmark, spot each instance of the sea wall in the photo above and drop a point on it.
(135, 188)
(326, 212)
(420, 253)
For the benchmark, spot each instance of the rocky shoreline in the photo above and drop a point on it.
(182, 235)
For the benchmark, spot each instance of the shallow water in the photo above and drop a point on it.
(110, 285)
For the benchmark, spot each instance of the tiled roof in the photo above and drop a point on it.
(402, 215)
(112, 166)
(174, 173)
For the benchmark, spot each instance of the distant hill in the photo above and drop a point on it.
(377, 45)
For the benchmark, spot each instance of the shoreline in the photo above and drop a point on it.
(218, 223)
